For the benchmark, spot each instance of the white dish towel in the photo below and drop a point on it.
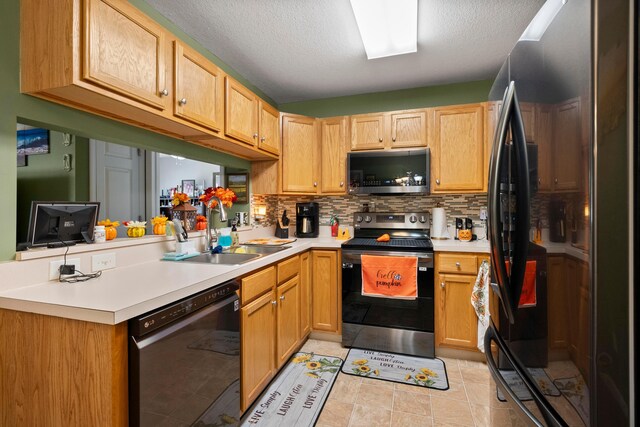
(480, 301)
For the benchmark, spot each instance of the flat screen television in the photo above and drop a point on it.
(56, 222)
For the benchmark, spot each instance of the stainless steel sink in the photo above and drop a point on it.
(251, 249)
(223, 258)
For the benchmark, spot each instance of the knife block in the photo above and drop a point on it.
(282, 232)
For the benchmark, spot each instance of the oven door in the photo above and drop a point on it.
(366, 320)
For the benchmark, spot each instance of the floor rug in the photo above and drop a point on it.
(577, 393)
(297, 394)
(224, 411)
(412, 370)
(539, 375)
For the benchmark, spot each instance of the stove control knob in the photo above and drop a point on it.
(367, 218)
(422, 218)
(359, 218)
(413, 219)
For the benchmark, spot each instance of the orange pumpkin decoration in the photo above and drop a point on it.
(160, 229)
(201, 225)
(464, 235)
(110, 232)
(384, 238)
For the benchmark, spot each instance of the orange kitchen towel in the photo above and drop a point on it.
(528, 294)
(389, 276)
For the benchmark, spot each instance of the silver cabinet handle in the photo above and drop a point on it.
(341, 183)
(255, 135)
(380, 139)
(274, 302)
(393, 139)
(438, 181)
(458, 264)
(442, 285)
(555, 180)
(263, 139)
(183, 101)
(282, 298)
(164, 92)
(539, 180)
(315, 184)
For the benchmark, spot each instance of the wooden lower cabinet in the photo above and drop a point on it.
(305, 295)
(288, 320)
(257, 331)
(558, 310)
(325, 296)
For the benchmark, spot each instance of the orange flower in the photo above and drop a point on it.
(180, 199)
(226, 195)
(201, 218)
(108, 223)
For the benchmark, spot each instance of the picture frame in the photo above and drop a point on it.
(239, 183)
(33, 141)
(189, 187)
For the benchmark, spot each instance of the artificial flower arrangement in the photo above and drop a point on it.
(135, 228)
(226, 195)
(180, 199)
(159, 224)
(109, 228)
(201, 222)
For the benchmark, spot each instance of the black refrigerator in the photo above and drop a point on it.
(561, 344)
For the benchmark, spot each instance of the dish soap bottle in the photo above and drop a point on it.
(235, 238)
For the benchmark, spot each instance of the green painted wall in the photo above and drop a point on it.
(29, 110)
(458, 93)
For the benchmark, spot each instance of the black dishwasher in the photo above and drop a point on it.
(184, 361)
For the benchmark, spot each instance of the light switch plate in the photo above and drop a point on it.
(54, 267)
(483, 214)
(103, 262)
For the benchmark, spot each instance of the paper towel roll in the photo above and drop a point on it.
(439, 225)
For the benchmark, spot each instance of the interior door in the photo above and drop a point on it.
(118, 181)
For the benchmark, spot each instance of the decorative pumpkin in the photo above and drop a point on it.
(110, 232)
(384, 238)
(136, 231)
(201, 225)
(464, 235)
(160, 229)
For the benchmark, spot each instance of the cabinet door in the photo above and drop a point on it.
(288, 320)
(566, 146)
(544, 137)
(199, 87)
(584, 320)
(458, 149)
(557, 316)
(305, 295)
(528, 111)
(269, 128)
(258, 331)
(409, 129)
(124, 52)
(299, 154)
(367, 132)
(456, 321)
(333, 153)
(241, 113)
(325, 291)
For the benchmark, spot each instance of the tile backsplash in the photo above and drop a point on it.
(343, 207)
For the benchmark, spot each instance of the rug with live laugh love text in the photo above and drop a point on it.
(297, 394)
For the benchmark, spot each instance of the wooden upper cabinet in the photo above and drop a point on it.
(544, 140)
(199, 87)
(269, 125)
(408, 129)
(241, 113)
(458, 147)
(124, 52)
(567, 140)
(528, 112)
(367, 132)
(299, 157)
(333, 152)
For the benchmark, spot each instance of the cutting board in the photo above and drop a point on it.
(268, 242)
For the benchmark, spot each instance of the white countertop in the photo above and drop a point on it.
(452, 245)
(123, 293)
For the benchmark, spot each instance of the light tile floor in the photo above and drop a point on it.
(470, 400)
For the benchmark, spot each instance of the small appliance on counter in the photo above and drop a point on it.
(464, 229)
(282, 226)
(307, 219)
(557, 221)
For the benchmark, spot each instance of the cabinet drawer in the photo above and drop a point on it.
(458, 263)
(257, 284)
(289, 268)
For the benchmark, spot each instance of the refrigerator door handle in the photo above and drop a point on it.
(551, 417)
(494, 225)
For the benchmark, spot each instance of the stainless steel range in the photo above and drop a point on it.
(390, 324)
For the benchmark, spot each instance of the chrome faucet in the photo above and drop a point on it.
(211, 239)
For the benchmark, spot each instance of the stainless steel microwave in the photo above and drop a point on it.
(390, 172)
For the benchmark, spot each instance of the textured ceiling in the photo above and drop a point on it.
(296, 50)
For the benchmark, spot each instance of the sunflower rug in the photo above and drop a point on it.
(412, 370)
(297, 394)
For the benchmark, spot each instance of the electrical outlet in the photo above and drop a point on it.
(483, 214)
(54, 267)
(103, 262)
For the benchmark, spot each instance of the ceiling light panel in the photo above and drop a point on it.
(387, 27)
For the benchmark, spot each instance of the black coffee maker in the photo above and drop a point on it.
(307, 219)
